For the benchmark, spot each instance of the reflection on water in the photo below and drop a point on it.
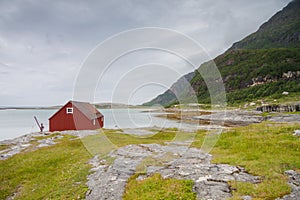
(15, 123)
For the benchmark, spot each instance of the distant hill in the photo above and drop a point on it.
(114, 106)
(264, 64)
(179, 88)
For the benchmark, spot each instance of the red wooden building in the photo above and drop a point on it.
(76, 115)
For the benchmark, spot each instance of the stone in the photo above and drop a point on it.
(296, 132)
(294, 182)
(247, 197)
(210, 180)
(294, 118)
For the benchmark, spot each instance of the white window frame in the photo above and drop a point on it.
(94, 122)
(69, 110)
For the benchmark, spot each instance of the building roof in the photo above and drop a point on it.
(85, 108)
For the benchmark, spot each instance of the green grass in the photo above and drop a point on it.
(47, 136)
(3, 146)
(108, 140)
(60, 171)
(155, 188)
(56, 172)
(266, 150)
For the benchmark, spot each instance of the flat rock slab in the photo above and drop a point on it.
(292, 118)
(231, 118)
(173, 161)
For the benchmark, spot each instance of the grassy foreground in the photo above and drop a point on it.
(56, 172)
(59, 171)
(266, 150)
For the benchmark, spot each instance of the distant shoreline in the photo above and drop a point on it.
(97, 105)
(29, 108)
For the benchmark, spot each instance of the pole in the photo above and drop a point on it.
(37, 123)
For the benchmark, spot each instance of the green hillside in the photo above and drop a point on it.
(264, 64)
(282, 30)
(253, 74)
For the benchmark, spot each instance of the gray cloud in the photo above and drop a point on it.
(43, 43)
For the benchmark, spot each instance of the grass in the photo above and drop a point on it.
(155, 188)
(108, 140)
(266, 150)
(3, 146)
(56, 172)
(46, 136)
(60, 171)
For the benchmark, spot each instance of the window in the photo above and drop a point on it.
(69, 110)
(94, 122)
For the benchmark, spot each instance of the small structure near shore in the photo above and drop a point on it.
(76, 115)
(279, 108)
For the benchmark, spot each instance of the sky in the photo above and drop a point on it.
(45, 45)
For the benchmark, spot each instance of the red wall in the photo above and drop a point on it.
(77, 121)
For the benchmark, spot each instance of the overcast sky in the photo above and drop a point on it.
(43, 44)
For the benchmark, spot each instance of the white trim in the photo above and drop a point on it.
(69, 110)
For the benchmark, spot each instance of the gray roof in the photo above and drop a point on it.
(87, 109)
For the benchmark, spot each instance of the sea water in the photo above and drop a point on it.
(17, 122)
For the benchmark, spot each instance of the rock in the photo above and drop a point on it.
(247, 197)
(294, 182)
(48, 141)
(285, 93)
(21, 143)
(212, 190)
(279, 108)
(294, 118)
(296, 132)
(231, 118)
(108, 182)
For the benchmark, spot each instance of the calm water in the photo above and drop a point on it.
(15, 123)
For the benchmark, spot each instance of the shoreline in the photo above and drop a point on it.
(199, 119)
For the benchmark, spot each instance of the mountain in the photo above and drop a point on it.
(179, 89)
(281, 31)
(264, 64)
